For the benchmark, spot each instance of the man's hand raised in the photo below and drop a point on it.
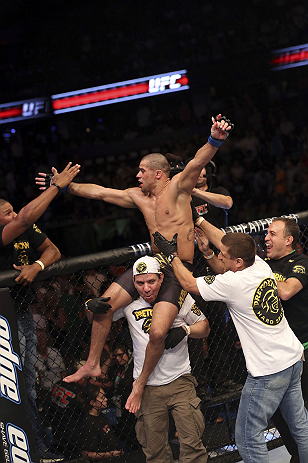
(202, 241)
(44, 180)
(61, 179)
(221, 128)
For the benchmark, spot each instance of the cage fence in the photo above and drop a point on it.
(77, 419)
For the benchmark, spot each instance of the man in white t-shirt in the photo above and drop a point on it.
(171, 385)
(272, 352)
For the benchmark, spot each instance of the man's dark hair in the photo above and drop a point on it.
(3, 201)
(157, 161)
(125, 347)
(92, 392)
(240, 245)
(291, 228)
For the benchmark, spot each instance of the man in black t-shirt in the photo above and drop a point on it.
(98, 439)
(211, 203)
(291, 273)
(21, 242)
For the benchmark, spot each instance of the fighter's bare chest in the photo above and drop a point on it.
(157, 210)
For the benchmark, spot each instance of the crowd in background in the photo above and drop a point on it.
(264, 165)
(62, 47)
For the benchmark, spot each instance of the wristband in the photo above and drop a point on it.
(86, 305)
(40, 263)
(64, 189)
(171, 257)
(209, 257)
(187, 327)
(199, 221)
(214, 142)
(53, 183)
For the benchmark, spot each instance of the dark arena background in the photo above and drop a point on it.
(103, 85)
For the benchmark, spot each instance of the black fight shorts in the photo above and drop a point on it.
(170, 291)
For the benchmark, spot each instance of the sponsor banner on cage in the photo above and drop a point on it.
(17, 444)
(257, 226)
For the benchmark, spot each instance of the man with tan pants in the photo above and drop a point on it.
(171, 385)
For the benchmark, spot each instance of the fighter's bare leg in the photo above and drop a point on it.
(163, 316)
(100, 329)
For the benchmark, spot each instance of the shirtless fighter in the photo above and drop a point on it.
(165, 205)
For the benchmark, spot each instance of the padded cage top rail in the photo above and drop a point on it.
(259, 226)
(123, 255)
(74, 264)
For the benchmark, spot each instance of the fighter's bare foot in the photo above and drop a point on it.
(133, 402)
(84, 372)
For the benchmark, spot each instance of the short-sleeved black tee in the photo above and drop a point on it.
(296, 308)
(214, 215)
(97, 436)
(21, 251)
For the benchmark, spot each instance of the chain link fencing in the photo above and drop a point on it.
(65, 411)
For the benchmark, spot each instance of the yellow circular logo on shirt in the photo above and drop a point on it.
(266, 304)
(209, 279)
(298, 269)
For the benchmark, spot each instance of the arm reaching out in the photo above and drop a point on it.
(33, 210)
(120, 198)
(216, 199)
(203, 244)
(199, 329)
(213, 234)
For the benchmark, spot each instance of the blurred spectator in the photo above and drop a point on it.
(56, 321)
(38, 309)
(64, 415)
(262, 185)
(98, 440)
(78, 329)
(120, 375)
(280, 187)
(49, 362)
(94, 280)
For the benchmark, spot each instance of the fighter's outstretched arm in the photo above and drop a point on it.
(120, 198)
